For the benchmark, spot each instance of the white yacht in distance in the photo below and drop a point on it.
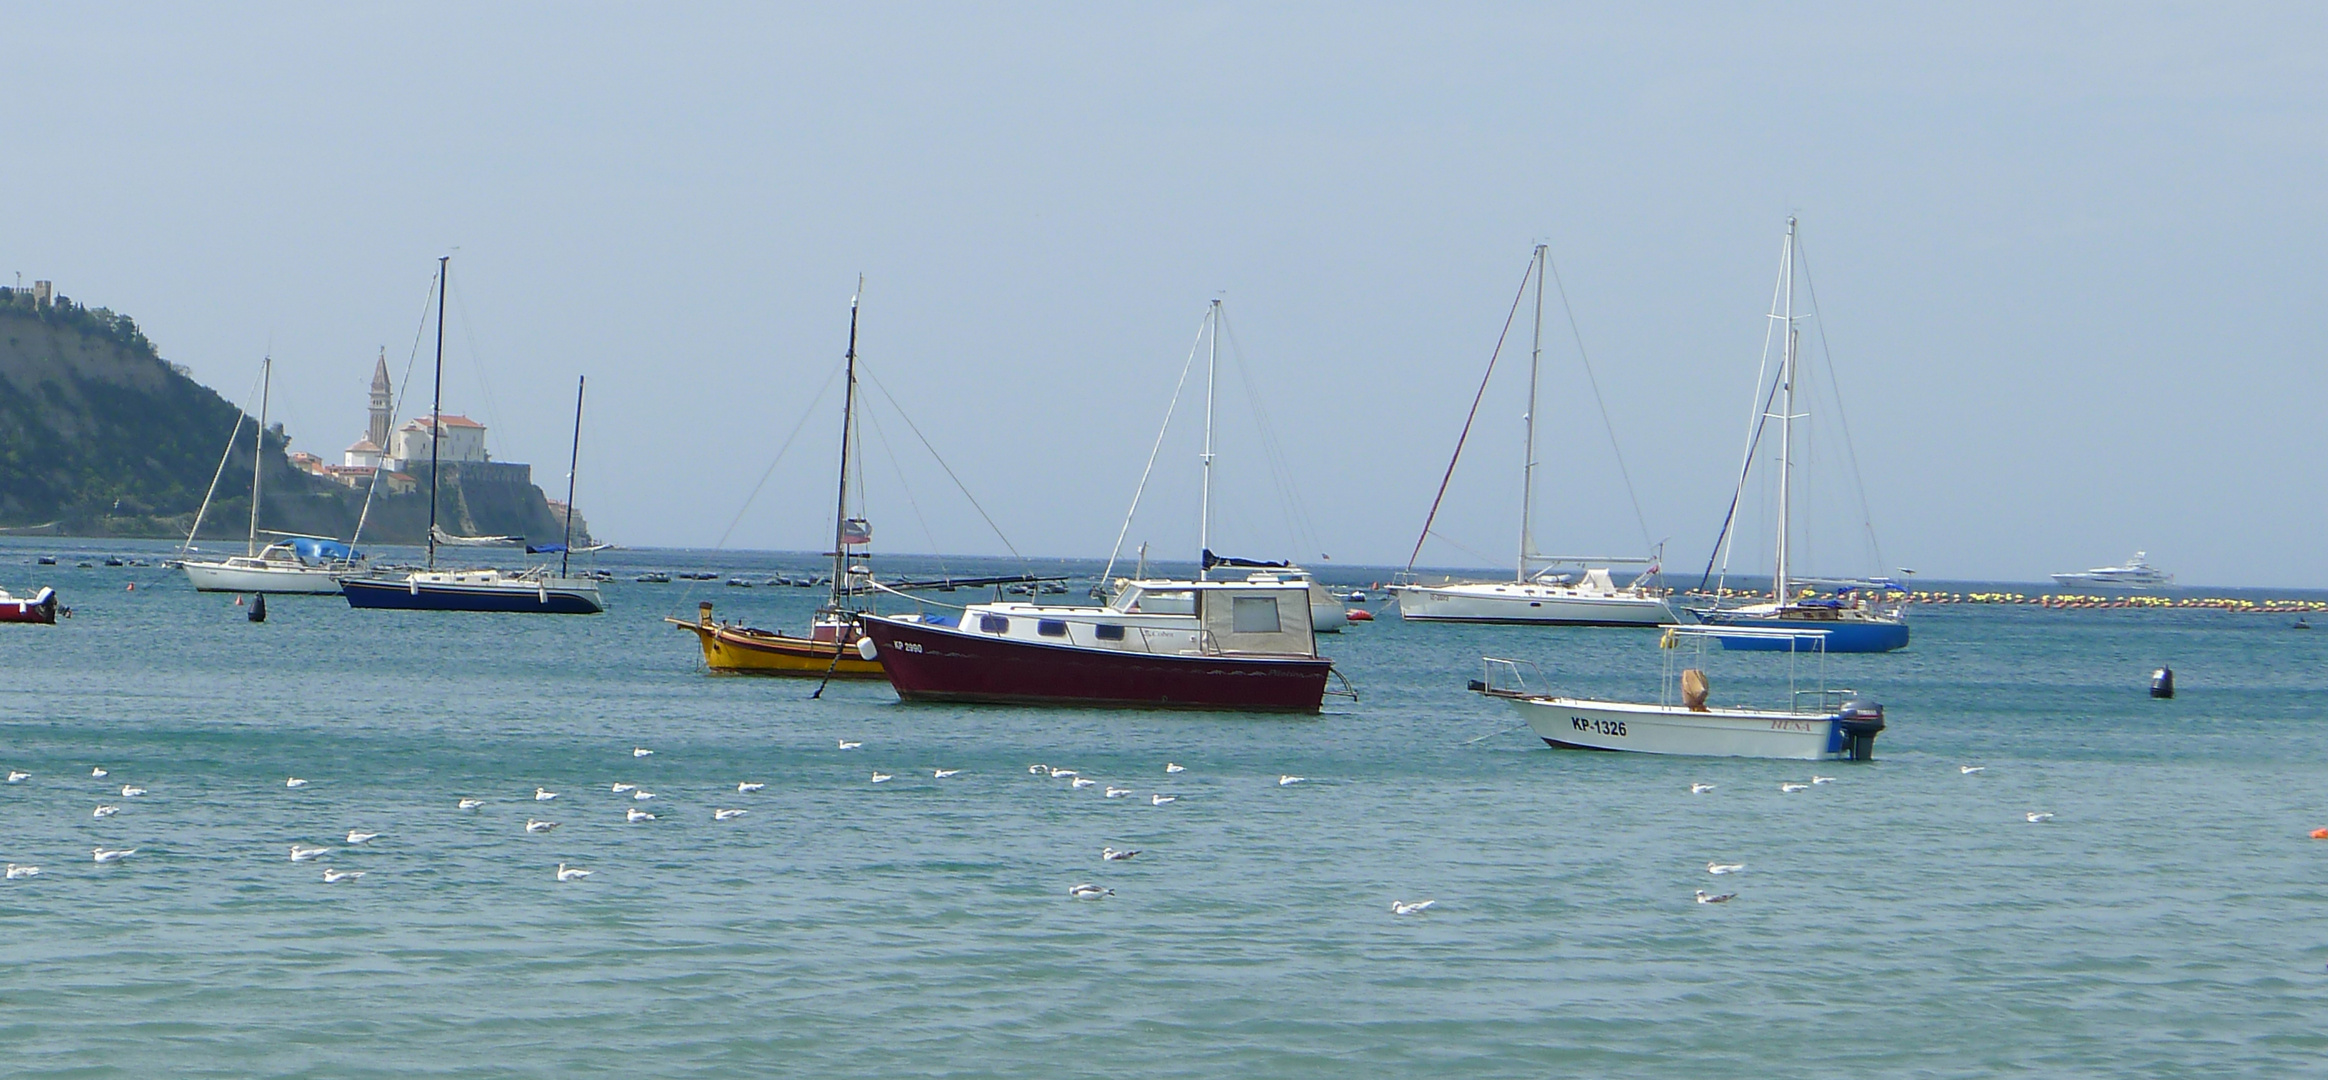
(2136, 576)
(1537, 594)
(298, 564)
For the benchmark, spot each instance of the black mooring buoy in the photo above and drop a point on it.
(2162, 683)
(258, 612)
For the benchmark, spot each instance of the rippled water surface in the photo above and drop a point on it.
(1903, 920)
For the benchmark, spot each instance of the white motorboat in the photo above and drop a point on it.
(2136, 576)
(1817, 724)
(1538, 592)
(298, 564)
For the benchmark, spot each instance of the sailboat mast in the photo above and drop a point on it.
(848, 427)
(259, 454)
(1779, 586)
(573, 462)
(1204, 515)
(436, 411)
(1528, 453)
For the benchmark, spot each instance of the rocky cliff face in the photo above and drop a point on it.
(99, 436)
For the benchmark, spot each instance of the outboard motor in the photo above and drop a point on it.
(1860, 721)
(2162, 683)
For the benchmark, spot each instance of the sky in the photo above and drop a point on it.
(2066, 258)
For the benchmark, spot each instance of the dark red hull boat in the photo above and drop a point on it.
(941, 663)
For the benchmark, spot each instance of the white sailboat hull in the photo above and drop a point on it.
(225, 577)
(1549, 605)
(1671, 729)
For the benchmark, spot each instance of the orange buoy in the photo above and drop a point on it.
(238, 599)
(133, 586)
(2320, 834)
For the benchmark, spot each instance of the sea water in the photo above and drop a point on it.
(1905, 919)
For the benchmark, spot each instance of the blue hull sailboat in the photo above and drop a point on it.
(1859, 616)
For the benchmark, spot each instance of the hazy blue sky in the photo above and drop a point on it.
(2069, 257)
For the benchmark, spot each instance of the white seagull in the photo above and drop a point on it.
(1724, 867)
(2038, 817)
(1822, 779)
(112, 854)
(1056, 773)
(1173, 768)
(18, 776)
(334, 877)
(356, 836)
(131, 791)
(1118, 792)
(1700, 789)
(544, 794)
(642, 795)
(532, 825)
(640, 751)
(635, 815)
(471, 804)
(847, 745)
(1968, 770)
(98, 772)
(105, 811)
(294, 782)
(15, 871)
(747, 787)
(944, 773)
(304, 852)
(1792, 786)
(620, 788)
(728, 815)
(1401, 907)
(1704, 897)
(880, 777)
(1159, 800)
(1089, 892)
(571, 873)
(1112, 855)
(1037, 770)
(1289, 781)
(1081, 782)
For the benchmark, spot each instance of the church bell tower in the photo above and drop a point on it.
(383, 403)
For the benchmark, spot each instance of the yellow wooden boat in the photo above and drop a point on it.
(743, 650)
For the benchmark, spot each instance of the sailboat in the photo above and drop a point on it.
(829, 649)
(1242, 645)
(1538, 593)
(533, 590)
(294, 564)
(1858, 616)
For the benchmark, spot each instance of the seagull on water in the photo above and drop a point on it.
(880, 777)
(1401, 907)
(1968, 770)
(728, 815)
(471, 804)
(303, 852)
(544, 794)
(105, 811)
(1118, 792)
(1173, 768)
(131, 791)
(1037, 770)
(620, 788)
(334, 877)
(294, 782)
(1081, 782)
(642, 795)
(1112, 855)
(847, 745)
(635, 815)
(1159, 800)
(1289, 781)
(359, 837)
(1089, 892)
(112, 854)
(1822, 779)
(1724, 867)
(747, 787)
(2038, 817)
(18, 776)
(532, 825)
(640, 751)
(15, 871)
(571, 873)
(1789, 785)
(1705, 898)
(98, 773)
(943, 773)
(1057, 773)
(1700, 789)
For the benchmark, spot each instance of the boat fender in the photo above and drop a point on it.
(2162, 683)
(865, 649)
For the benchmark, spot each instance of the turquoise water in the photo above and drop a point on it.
(1904, 920)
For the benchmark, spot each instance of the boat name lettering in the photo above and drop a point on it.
(1598, 727)
(1811, 726)
(904, 646)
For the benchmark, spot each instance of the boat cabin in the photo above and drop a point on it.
(1259, 618)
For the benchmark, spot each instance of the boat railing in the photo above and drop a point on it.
(1825, 701)
(1508, 678)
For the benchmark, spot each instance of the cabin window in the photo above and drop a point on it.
(1051, 628)
(1254, 615)
(994, 624)
(1108, 632)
